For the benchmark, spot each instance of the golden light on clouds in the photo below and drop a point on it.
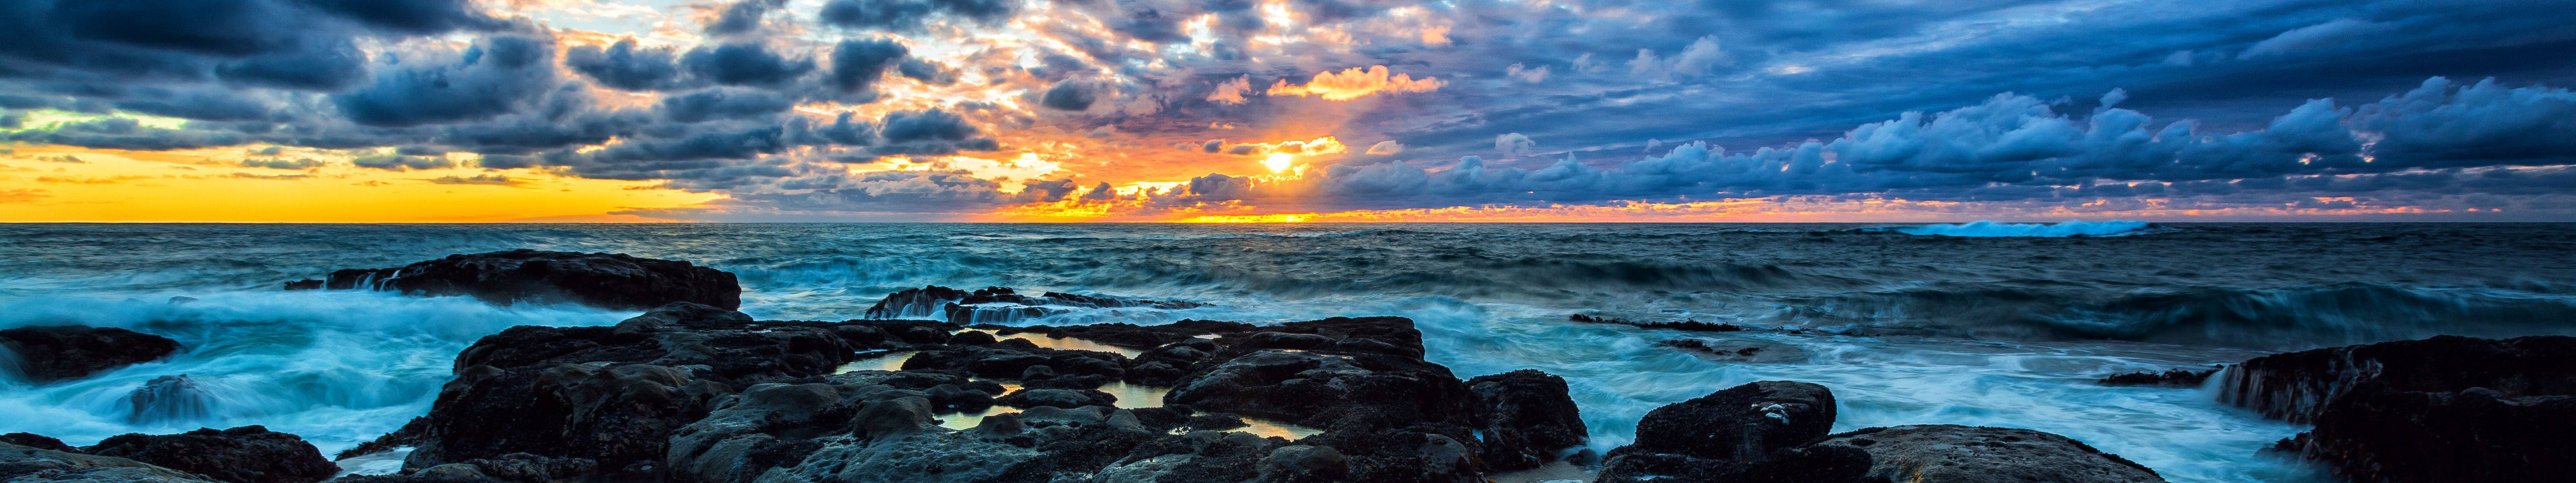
(1356, 82)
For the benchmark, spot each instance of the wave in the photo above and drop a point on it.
(2275, 318)
(1984, 228)
(336, 368)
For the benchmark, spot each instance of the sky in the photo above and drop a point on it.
(1286, 110)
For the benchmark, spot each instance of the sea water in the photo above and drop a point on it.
(1993, 324)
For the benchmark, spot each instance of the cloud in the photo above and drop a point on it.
(908, 15)
(402, 162)
(1232, 91)
(622, 65)
(1386, 148)
(481, 179)
(1356, 82)
(280, 163)
(1513, 145)
(744, 63)
(495, 76)
(2320, 36)
(1070, 95)
(858, 63)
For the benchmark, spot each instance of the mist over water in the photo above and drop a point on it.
(1980, 324)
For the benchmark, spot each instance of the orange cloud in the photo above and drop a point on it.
(1231, 92)
(1355, 82)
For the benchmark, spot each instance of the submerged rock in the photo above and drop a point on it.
(53, 353)
(27, 464)
(998, 304)
(1742, 422)
(247, 454)
(2170, 377)
(1527, 416)
(1946, 453)
(605, 280)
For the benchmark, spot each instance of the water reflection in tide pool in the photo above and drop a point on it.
(1133, 396)
(1065, 343)
(888, 361)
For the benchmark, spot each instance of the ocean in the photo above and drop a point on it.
(1980, 324)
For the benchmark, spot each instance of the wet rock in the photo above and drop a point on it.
(408, 435)
(1794, 465)
(971, 338)
(2374, 433)
(37, 441)
(1945, 453)
(25, 464)
(1688, 325)
(2168, 378)
(2297, 386)
(619, 417)
(1062, 398)
(1326, 390)
(723, 345)
(605, 280)
(305, 284)
(1130, 335)
(998, 304)
(1741, 422)
(247, 454)
(168, 398)
(1527, 417)
(1301, 463)
(53, 353)
(1739, 351)
(1753, 432)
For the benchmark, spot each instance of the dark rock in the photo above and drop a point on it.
(53, 353)
(1527, 416)
(1688, 325)
(1301, 463)
(971, 338)
(997, 304)
(2170, 377)
(37, 441)
(1753, 352)
(1062, 398)
(1130, 335)
(247, 454)
(1948, 453)
(605, 280)
(952, 397)
(619, 417)
(1741, 422)
(168, 398)
(2373, 433)
(408, 435)
(24, 464)
(1325, 390)
(1793, 465)
(305, 284)
(2297, 386)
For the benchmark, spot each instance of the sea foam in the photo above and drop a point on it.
(1984, 228)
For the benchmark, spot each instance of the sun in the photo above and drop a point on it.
(1279, 162)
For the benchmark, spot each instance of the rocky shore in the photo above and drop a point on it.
(928, 389)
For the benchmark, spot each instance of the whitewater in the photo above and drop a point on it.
(1995, 324)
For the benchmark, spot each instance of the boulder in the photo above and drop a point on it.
(1527, 416)
(1325, 390)
(53, 353)
(25, 464)
(247, 454)
(2297, 386)
(2374, 433)
(1062, 398)
(604, 280)
(1945, 453)
(1753, 432)
(1741, 422)
(619, 417)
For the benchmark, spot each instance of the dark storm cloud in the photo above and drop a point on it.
(742, 16)
(858, 63)
(1072, 95)
(301, 44)
(496, 76)
(624, 66)
(928, 72)
(2015, 147)
(905, 15)
(723, 103)
(746, 63)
